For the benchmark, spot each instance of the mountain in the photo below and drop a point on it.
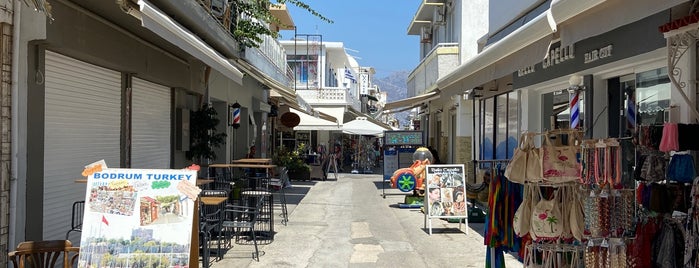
(395, 85)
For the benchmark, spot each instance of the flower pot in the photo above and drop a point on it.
(299, 174)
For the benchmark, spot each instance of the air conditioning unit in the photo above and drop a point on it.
(425, 35)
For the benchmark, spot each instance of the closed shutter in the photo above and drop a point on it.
(81, 125)
(150, 124)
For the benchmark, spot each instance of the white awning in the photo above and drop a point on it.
(411, 102)
(508, 53)
(309, 122)
(155, 20)
(362, 126)
(337, 112)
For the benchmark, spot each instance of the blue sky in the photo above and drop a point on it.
(376, 29)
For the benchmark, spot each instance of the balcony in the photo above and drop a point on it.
(440, 61)
(330, 96)
(270, 59)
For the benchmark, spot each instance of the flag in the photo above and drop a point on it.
(349, 75)
(105, 220)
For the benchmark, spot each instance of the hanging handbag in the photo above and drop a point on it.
(521, 219)
(559, 163)
(546, 218)
(533, 173)
(517, 168)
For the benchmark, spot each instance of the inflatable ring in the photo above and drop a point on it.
(406, 182)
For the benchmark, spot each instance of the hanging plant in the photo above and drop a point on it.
(203, 135)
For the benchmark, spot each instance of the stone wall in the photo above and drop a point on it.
(462, 154)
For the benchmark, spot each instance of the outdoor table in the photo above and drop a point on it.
(265, 220)
(261, 161)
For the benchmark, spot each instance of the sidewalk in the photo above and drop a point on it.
(347, 223)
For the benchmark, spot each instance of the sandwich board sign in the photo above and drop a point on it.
(445, 194)
(138, 218)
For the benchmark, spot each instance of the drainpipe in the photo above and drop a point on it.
(14, 154)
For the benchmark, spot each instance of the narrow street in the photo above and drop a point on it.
(347, 223)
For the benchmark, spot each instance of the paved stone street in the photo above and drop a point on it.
(347, 223)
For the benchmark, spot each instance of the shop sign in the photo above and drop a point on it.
(445, 195)
(526, 70)
(127, 211)
(558, 55)
(597, 54)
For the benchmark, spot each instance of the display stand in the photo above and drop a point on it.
(398, 150)
(445, 196)
(332, 164)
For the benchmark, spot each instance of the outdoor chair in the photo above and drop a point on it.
(210, 229)
(44, 254)
(76, 219)
(242, 220)
(277, 187)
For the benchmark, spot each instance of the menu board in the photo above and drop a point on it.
(403, 137)
(138, 217)
(445, 192)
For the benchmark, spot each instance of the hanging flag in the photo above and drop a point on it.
(105, 220)
(348, 75)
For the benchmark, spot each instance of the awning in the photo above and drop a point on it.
(293, 103)
(509, 52)
(310, 122)
(480, 69)
(156, 21)
(336, 112)
(362, 126)
(411, 102)
(358, 114)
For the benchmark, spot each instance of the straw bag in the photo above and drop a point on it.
(559, 163)
(546, 220)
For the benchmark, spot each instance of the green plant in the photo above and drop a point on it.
(291, 159)
(203, 135)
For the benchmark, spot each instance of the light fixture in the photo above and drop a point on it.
(576, 82)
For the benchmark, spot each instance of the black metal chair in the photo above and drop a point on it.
(276, 186)
(210, 229)
(242, 220)
(76, 219)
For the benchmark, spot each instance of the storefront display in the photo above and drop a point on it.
(651, 224)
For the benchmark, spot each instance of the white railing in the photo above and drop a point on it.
(333, 95)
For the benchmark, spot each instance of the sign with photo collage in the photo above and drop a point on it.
(445, 192)
(138, 218)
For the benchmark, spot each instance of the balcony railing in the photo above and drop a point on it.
(330, 95)
(440, 61)
(269, 57)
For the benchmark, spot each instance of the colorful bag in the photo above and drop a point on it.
(559, 163)
(546, 218)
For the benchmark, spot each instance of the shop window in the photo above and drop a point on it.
(652, 95)
(556, 110)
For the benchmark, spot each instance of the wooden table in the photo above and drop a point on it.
(252, 161)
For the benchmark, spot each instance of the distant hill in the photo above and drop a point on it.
(395, 85)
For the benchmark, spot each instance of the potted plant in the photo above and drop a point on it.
(203, 135)
(292, 160)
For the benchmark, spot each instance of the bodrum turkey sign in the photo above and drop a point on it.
(138, 216)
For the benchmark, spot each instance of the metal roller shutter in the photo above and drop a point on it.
(81, 126)
(150, 124)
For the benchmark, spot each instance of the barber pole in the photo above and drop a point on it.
(574, 109)
(235, 115)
